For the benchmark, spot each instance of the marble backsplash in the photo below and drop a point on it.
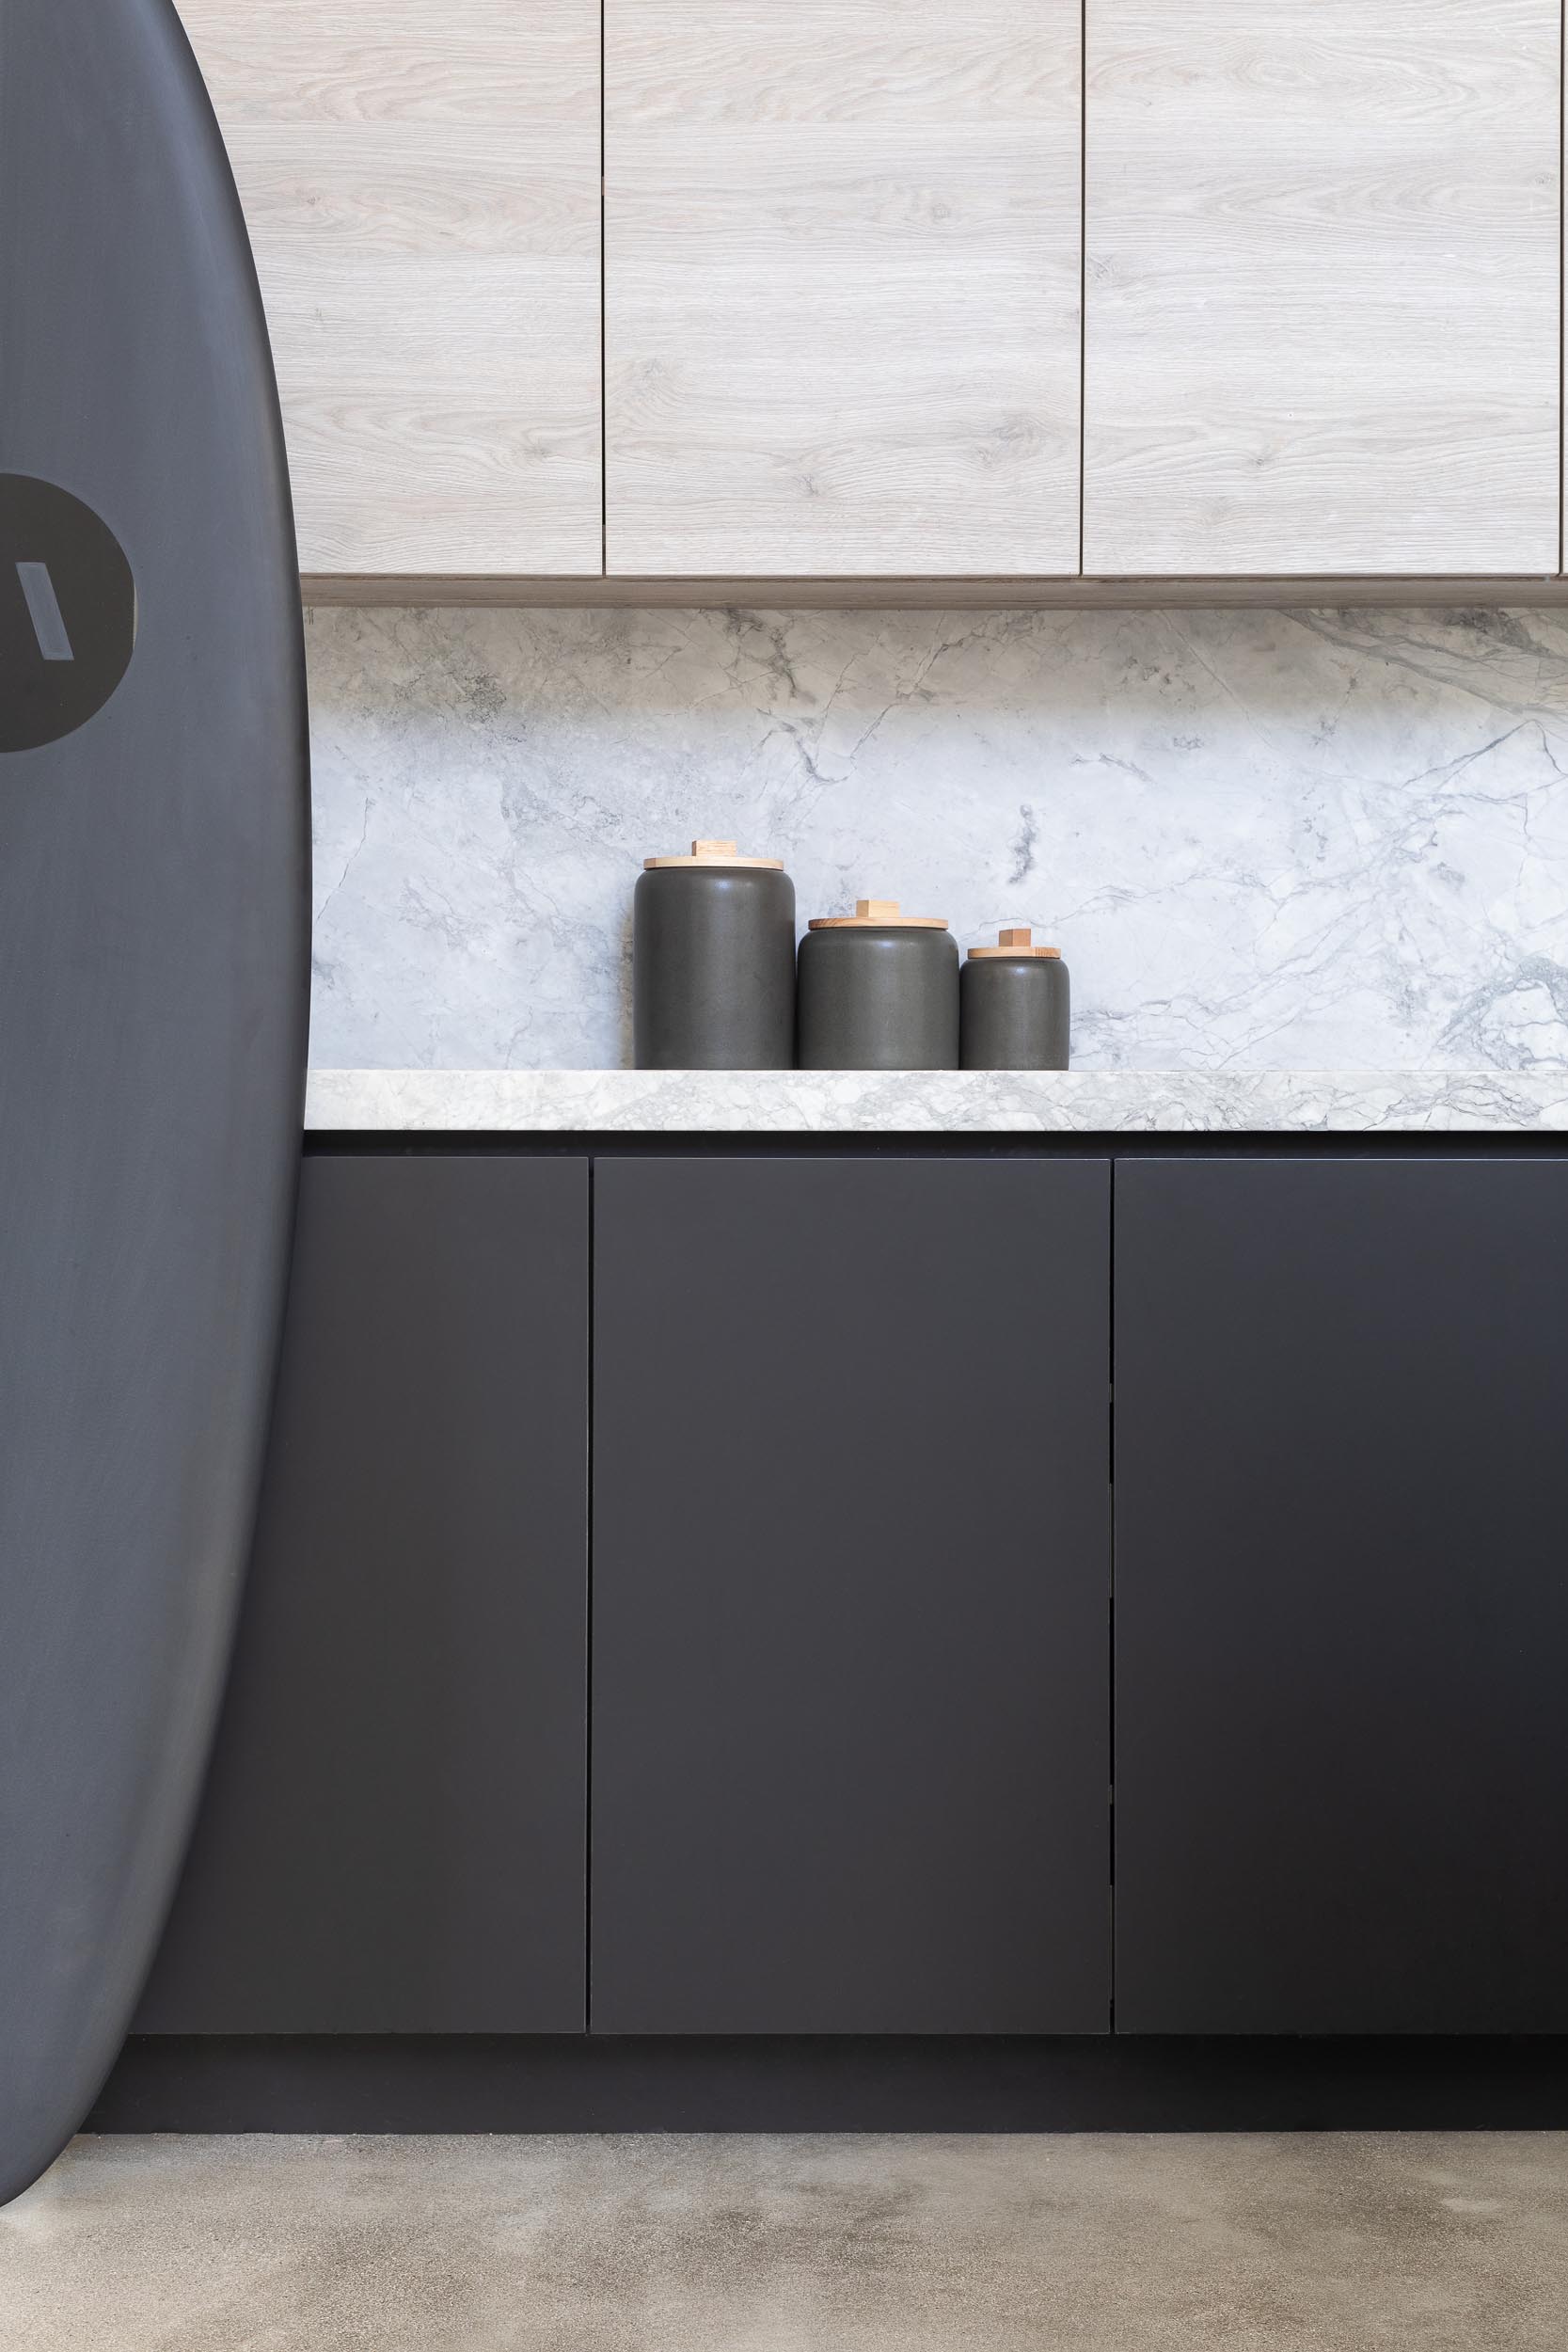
(1297, 840)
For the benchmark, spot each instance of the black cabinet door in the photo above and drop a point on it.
(850, 1596)
(393, 1835)
(1342, 1598)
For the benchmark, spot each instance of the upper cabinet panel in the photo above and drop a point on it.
(1323, 286)
(422, 181)
(842, 284)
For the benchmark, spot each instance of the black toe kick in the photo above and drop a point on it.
(832, 2082)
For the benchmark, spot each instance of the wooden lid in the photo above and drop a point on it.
(878, 915)
(714, 853)
(1015, 942)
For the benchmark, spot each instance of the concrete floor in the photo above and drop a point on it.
(1340, 2242)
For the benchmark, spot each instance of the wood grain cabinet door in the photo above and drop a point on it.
(1341, 1604)
(850, 1596)
(421, 179)
(1322, 288)
(393, 1836)
(842, 286)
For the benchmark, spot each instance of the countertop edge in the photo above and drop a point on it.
(1079, 1102)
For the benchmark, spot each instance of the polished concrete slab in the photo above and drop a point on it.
(1336, 2242)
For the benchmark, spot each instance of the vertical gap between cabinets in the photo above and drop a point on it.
(588, 1652)
(604, 358)
(1111, 1600)
(1561, 281)
(1083, 263)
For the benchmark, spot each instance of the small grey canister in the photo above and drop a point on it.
(713, 961)
(878, 991)
(1015, 1008)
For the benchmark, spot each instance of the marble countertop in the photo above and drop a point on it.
(803, 1102)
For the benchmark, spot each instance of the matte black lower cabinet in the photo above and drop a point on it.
(393, 1840)
(1341, 1600)
(850, 1596)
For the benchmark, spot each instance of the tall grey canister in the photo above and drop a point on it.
(878, 991)
(713, 961)
(1015, 1005)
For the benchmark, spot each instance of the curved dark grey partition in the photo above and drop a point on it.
(154, 917)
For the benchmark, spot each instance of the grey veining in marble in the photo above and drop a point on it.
(1079, 1102)
(1299, 840)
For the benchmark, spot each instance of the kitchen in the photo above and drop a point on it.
(881, 1696)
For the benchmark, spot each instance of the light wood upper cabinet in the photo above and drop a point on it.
(422, 184)
(1322, 286)
(842, 282)
(844, 259)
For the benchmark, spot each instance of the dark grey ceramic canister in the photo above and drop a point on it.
(713, 963)
(1015, 1005)
(878, 991)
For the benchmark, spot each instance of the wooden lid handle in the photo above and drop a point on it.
(714, 853)
(1017, 939)
(871, 912)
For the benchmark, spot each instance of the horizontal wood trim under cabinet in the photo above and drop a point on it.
(1321, 286)
(966, 593)
(842, 286)
(421, 179)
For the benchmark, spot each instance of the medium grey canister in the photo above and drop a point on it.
(878, 991)
(1015, 1005)
(713, 963)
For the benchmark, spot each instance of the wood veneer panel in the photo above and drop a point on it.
(1322, 289)
(422, 183)
(842, 286)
